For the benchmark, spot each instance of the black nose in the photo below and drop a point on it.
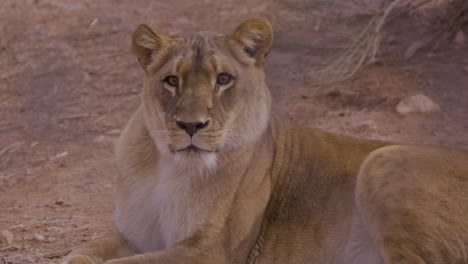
(192, 128)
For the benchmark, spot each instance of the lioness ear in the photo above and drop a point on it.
(146, 43)
(256, 37)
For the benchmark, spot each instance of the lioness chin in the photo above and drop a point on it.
(208, 176)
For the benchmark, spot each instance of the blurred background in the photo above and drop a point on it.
(377, 69)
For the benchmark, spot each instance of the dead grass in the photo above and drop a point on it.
(362, 52)
(366, 45)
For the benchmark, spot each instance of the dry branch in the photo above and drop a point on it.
(10, 147)
(362, 51)
(365, 47)
(9, 248)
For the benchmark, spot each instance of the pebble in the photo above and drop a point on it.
(368, 125)
(20, 227)
(413, 48)
(417, 103)
(38, 237)
(460, 38)
(113, 132)
(99, 139)
(6, 237)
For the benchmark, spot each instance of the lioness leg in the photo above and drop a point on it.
(112, 249)
(180, 254)
(100, 250)
(416, 204)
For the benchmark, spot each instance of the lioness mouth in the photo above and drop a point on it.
(193, 148)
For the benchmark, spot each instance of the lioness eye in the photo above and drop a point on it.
(224, 78)
(172, 81)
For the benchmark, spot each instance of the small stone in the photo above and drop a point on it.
(413, 48)
(54, 229)
(20, 227)
(6, 237)
(460, 38)
(38, 237)
(368, 125)
(59, 155)
(99, 139)
(417, 103)
(113, 132)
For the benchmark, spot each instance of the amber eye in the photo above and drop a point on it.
(172, 81)
(224, 78)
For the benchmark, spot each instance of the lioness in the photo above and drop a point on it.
(208, 176)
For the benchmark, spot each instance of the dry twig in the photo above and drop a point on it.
(362, 52)
(9, 248)
(10, 147)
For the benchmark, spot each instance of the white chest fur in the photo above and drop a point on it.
(157, 214)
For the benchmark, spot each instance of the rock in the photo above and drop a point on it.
(6, 237)
(368, 125)
(413, 48)
(99, 139)
(465, 68)
(113, 132)
(460, 38)
(59, 155)
(417, 103)
(21, 227)
(38, 237)
(55, 229)
(104, 139)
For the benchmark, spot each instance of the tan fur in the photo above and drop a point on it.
(256, 189)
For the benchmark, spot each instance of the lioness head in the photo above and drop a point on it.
(205, 94)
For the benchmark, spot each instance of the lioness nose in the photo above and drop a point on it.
(192, 128)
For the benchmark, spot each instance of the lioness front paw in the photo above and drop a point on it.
(78, 259)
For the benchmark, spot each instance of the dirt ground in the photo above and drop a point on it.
(68, 84)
